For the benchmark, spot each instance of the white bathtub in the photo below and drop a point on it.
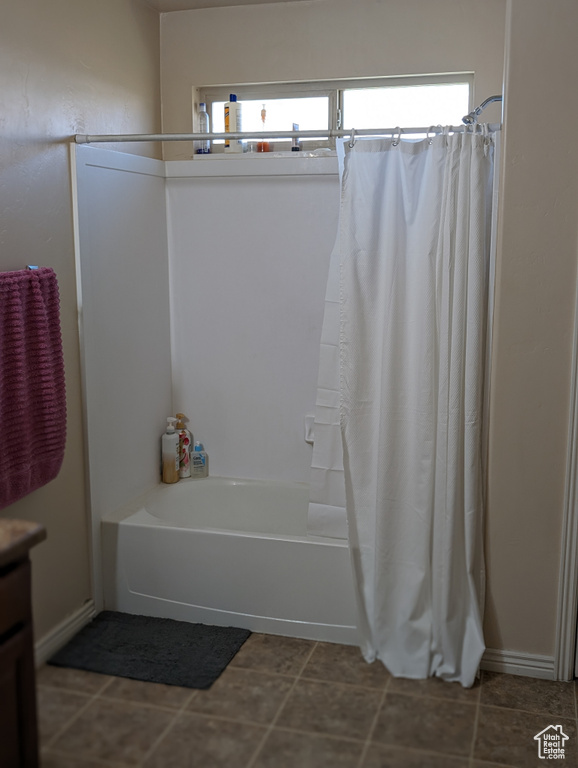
(229, 552)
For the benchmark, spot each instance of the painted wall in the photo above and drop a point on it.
(66, 67)
(323, 39)
(535, 302)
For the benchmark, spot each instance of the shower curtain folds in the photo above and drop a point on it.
(413, 253)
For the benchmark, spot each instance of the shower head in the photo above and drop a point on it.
(472, 117)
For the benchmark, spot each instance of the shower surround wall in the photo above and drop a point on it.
(246, 245)
(249, 243)
(123, 289)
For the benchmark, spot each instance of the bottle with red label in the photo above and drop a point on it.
(185, 444)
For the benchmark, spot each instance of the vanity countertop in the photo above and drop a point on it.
(17, 537)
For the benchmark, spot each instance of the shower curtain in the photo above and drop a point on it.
(413, 250)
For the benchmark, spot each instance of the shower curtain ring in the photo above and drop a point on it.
(398, 131)
(352, 139)
(431, 130)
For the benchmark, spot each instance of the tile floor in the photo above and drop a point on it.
(287, 703)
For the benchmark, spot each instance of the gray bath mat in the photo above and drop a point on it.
(151, 649)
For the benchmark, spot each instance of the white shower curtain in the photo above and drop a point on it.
(327, 515)
(414, 254)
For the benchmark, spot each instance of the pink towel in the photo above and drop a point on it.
(32, 388)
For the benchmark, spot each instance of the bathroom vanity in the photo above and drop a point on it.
(18, 720)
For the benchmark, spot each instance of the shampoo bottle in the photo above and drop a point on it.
(233, 124)
(199, 461)
(170, 453)
(185, 444)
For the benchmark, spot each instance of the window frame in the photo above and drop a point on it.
(333, 89)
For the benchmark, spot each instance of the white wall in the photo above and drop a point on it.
(249, 250)
(125, 340)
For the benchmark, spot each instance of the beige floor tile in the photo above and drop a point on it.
(78, 680)
(507, 737)
(436, 725)
(344, 664)
(435, 687)
(269, 653)
(51, 759)
(55, 709)
(323, 717)
(379, 756)
(484, 764)
(115, 731)
(286, 749)
(243, 694)
(156, 694)
(195, 741)
(330, 708)
(515, 692)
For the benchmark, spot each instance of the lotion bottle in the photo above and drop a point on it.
(185, 445)
(233, 124)
(199, 462)
(170, 453)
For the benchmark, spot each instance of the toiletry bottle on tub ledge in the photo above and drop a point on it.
(185, 446)
(199, 462)
(170, 453)
(233, 124)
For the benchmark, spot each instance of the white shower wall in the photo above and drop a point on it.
(249, 247)
(201, 287)
(123, 292)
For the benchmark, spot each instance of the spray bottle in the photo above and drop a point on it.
(170, 453)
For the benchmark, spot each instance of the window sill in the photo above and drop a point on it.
(315, 153)
(255, 164)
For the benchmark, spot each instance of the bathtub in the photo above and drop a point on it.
(232, 553)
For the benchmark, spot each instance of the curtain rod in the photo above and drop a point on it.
(102, 138)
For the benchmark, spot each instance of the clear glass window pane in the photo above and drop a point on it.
(310, 113)
(410, 106)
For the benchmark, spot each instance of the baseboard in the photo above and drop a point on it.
(514, 663)
(511, 662)
(63, 632)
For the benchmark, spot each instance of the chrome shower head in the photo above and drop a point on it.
(472, 117)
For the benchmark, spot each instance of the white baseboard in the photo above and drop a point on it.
(515, 663)
(63, 632)
(511, 662)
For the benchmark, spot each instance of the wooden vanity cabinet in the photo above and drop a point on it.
(18, 718)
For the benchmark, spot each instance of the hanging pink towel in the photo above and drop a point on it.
(32, 387)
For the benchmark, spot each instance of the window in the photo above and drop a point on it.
(310, 114)
(357, 103)
(414, 105)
